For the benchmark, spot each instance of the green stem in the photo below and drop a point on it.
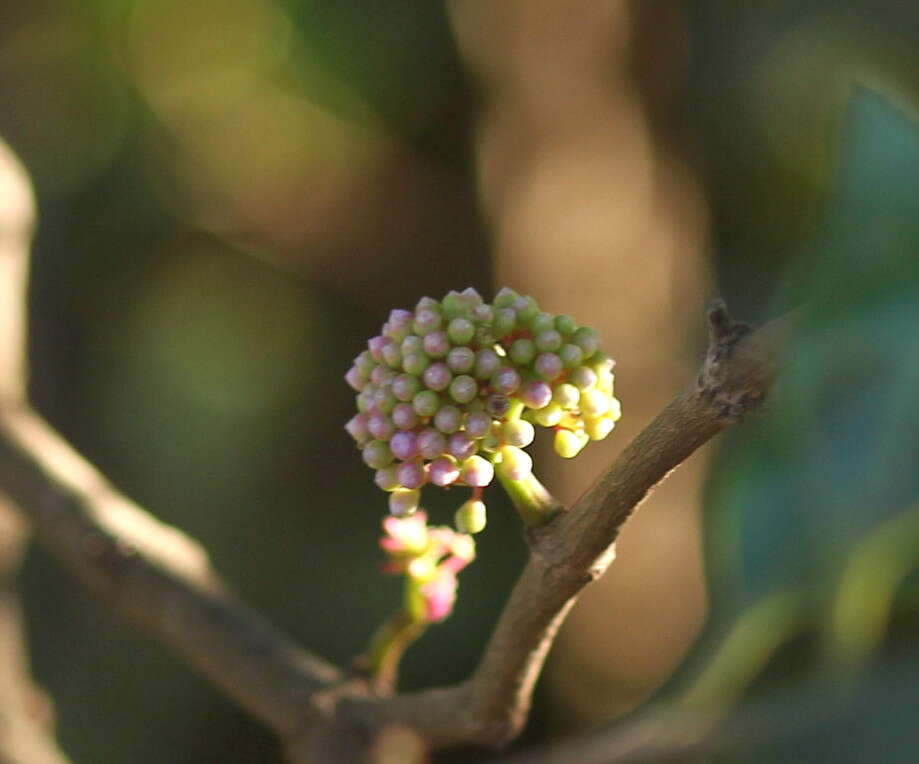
(388, 645)
(533, 502)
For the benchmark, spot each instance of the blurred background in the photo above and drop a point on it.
(232, 196)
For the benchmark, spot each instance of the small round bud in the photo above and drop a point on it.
(523, 351)
(382, 375)
(548, 365)
(427, 303)
(535, 394)
(478, 424)
(461, 360)
(436, 344)
(376, 455)
(568, 444)
(526, 308)
(404, 445)
(505, 380)
(477, 471)
(404, 416)
(365, 364)
(443, 471)
(470, 517)
(587, 339)
(448, 419)
(387, 479)
(461, 330)
(365, 400)
(471, 296)
(583, 378)
(426, 321)
(405, 386)
(426, 403)
(566, 395)
(594, 403)
(515, 464)
(437, 376)
(412, 344)
(461, 445)
(518, 433)
(505, 297)
(504, 322)
(404, 501)
(548, 341)
(412, 474)
(565, 325)
(380, 426)
(483, 313)
(598, 429)
(354, 378)
(487, 362)
(549, 416)
(541, 322)
(454, 305)
(615, 409)
(400, 324)
(463, 389)
(375, 345)
(600, 362)
(497, 405)
(571, 355)
(383, 399)
(415, 363)
(392, 356)
(431, 443)
(357, 428)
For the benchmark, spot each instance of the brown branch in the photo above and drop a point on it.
(577, 547)
(163, 580)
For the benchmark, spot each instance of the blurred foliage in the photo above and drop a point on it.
(170, 142)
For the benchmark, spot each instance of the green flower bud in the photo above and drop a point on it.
(583, 378)
(377, 455)
(461, 331)
(426, 403)
(404, 501)
(505, 297)
(526, 308)
(463, 388)
(571, 355)
(517, 432)
(568, 444)
(523, 351)
(415, 363)
(471, 517)
(548, 416)
(504, 323)
(587, 339)
(541, 322)
(566, 395)
(598, 429)
(566, 325)
(386, 478)
(548, 341)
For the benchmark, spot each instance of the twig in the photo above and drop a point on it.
(163, 580)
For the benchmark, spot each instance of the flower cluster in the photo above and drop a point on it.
(430, 558)
(450, 392)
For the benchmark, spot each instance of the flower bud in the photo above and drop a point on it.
(415, 363)
(380, 426)
(535, 394)
(487, 362)
(548, 366)
(505, 380)
(504, 322)
(471, 517)
(461, 330)
(387, 479)
(426, 403)
(354, 379)
(405, 386)
(565, 325)
(412, 474)
(376, 455)
(566, 396)
(583, 378)
(548, 341)
(404, 445)
(437, 376)
(448, 419)
(431, 443)
(515, 464)
(523, 351)
(517, 433)
(541, 322)
(404, 501)
(594, 403)
(426, 321)
(571, 355)
(478, 424)
(461, 360)
(460, 445)
(436, 344)
(549, 416)
(463, 389)
(443, 471)
(357, 428)
(505, 297)
(477, 471)
(598, 429)
(587, 339)
(568, 444)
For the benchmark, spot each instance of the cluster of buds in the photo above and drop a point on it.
(430, 558)
(450, 392)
